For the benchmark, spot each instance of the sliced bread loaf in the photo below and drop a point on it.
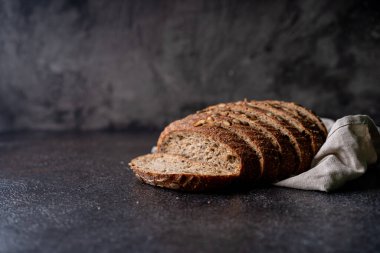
(246, 142)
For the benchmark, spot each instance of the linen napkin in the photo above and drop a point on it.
(352, 144)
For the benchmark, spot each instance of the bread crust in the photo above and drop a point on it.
(314, 122)
(297, 122)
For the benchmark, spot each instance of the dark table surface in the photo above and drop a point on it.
(73, 192)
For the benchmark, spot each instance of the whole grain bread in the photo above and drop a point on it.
(179, 173)
(249, 142)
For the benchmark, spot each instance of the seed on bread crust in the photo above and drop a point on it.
(199, 123)
(210, 119)
(226, 123)
(218, 124)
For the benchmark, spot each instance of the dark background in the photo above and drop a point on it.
(89, 65)
(130, 64)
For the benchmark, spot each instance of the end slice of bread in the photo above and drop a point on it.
(180, 173)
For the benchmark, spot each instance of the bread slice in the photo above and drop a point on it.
(179, 173)
(193, 138)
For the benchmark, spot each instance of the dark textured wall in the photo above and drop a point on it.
(115, 64)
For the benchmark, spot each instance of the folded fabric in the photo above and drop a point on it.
(352, 144)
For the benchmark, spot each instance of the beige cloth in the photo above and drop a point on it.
(352, 144)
